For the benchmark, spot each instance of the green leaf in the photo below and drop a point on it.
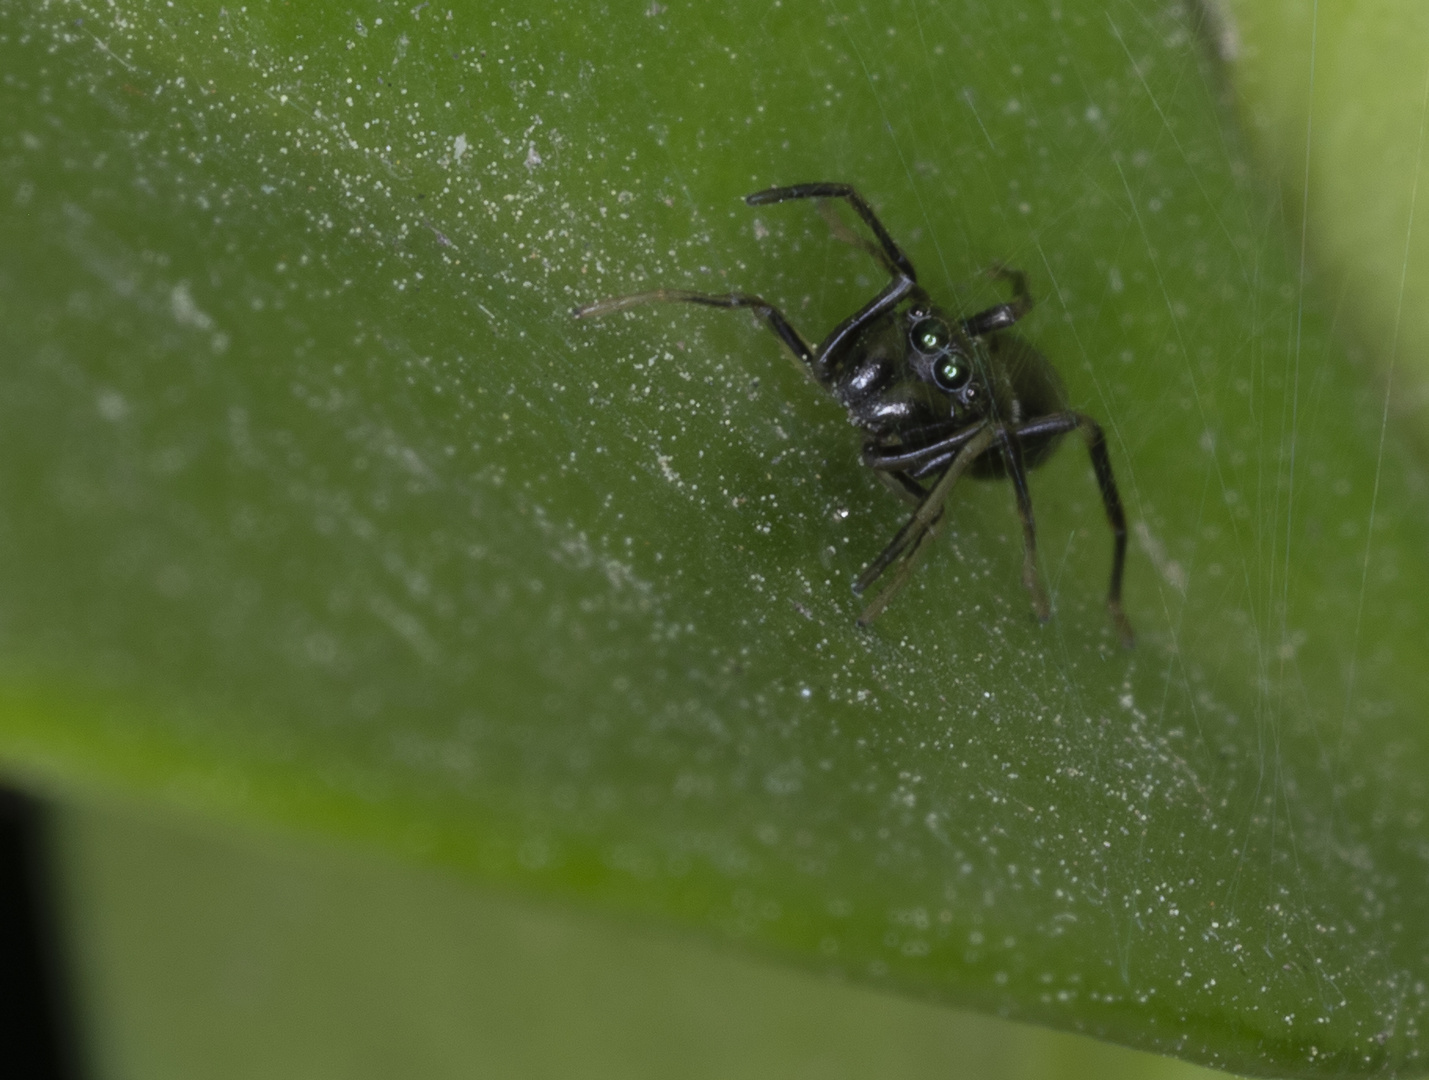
(317, 505)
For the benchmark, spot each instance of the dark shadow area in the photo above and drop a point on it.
(37, 1026)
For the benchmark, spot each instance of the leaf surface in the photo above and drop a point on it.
(318, 506)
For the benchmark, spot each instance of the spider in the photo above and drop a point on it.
(936, 396)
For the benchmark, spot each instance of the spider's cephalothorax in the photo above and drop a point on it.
(936, 396)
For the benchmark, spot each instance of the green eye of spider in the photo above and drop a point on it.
(930, 336)
(952, 372)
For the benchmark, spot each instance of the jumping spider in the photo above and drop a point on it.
(937, 396)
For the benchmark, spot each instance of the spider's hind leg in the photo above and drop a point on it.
(1001, 316)
(1111, 501)
(1011, 448)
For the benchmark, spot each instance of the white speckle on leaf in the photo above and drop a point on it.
(669, 473)
(111, 405)
(186, 312)
(1171, 571)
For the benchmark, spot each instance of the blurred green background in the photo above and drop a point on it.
(217, 953)
(426, 683)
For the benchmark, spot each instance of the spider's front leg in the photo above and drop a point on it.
(783, 329)
(887, 252)
(903, 485)
(912, 539)
(937, 454)
(919, 461)
(896, 262)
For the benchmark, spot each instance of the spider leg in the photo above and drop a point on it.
(843, 233)
(772, 315)
(921, 460)
(900, 483)
(846, 332)
(900, 576)
(888, 253)
(1017, 471)
(911, 539)
(1058, 423)
(1001, 316)
(900, 261)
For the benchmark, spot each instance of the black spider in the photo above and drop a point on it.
(937, 397)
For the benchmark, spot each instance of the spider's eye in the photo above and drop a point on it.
(952, 372)
(930, 336)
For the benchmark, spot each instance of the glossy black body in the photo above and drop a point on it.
(888, 389)
(937, 396)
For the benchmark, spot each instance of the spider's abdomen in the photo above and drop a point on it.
(1027, 388)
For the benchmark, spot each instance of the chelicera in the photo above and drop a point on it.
(937, 397)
